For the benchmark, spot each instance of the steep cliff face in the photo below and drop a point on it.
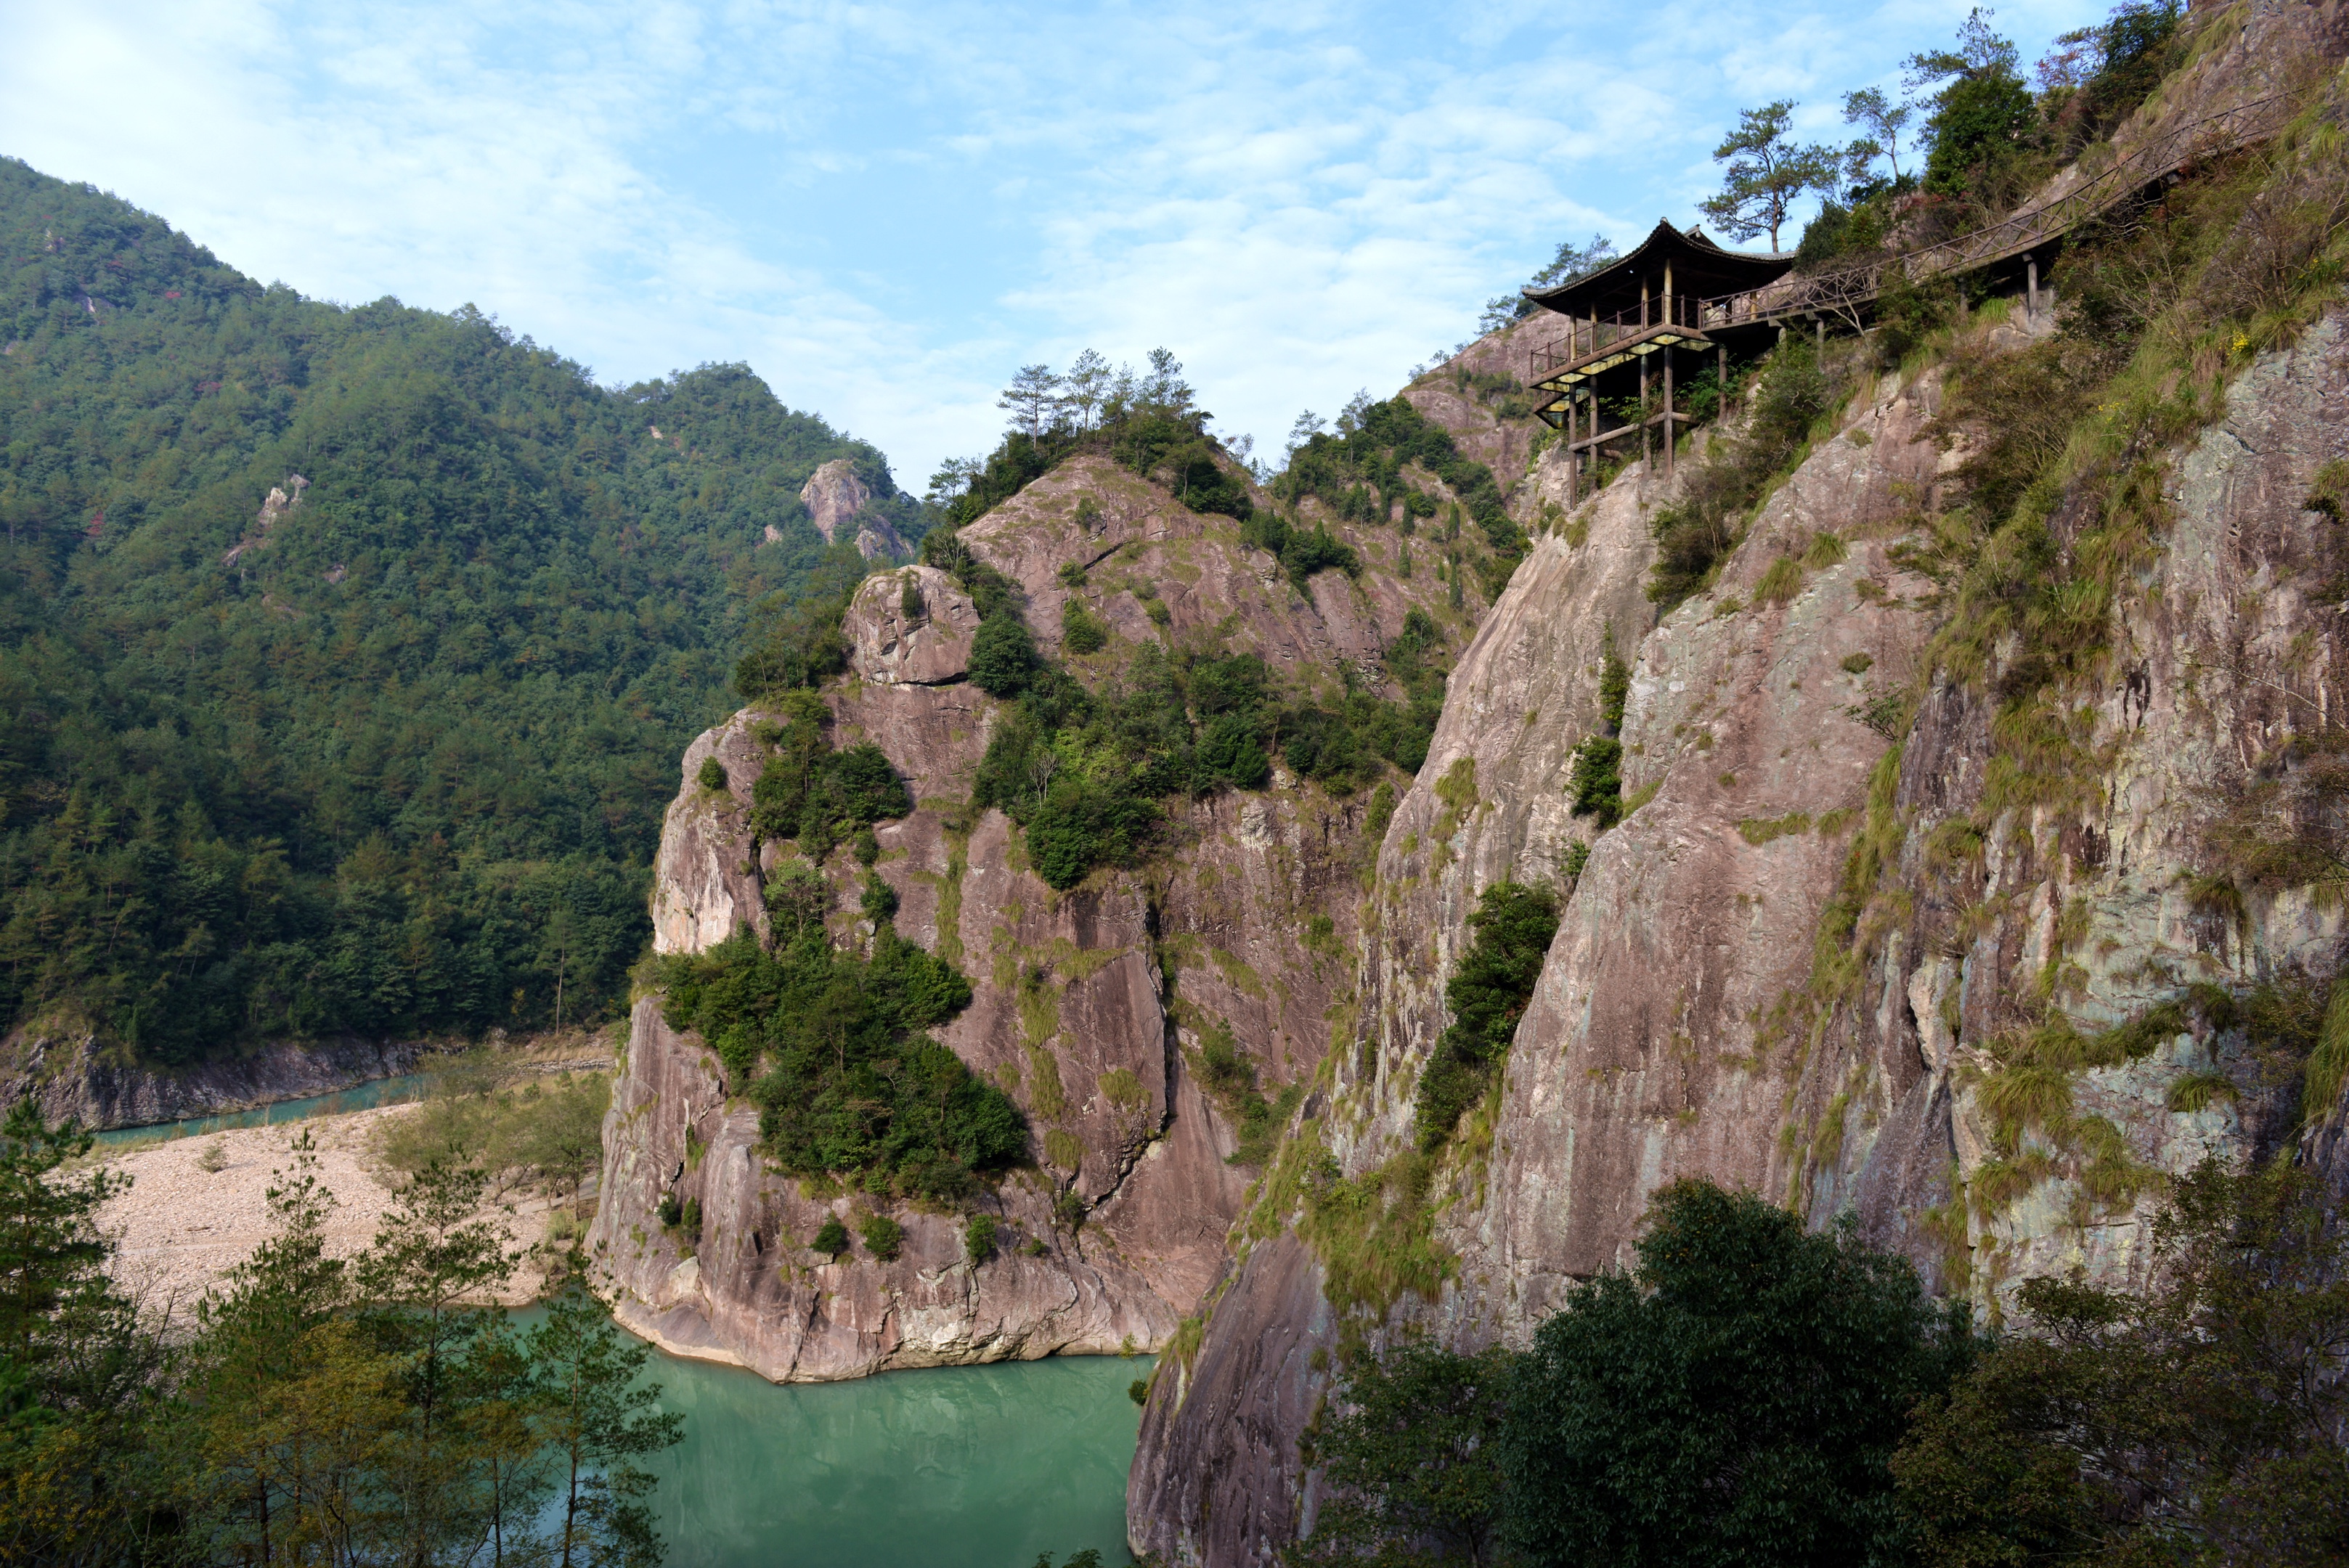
(1086, 1002)
(1691, 1018)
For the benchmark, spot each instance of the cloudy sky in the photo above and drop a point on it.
(886, 209)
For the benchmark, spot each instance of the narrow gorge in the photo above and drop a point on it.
(1919, 899)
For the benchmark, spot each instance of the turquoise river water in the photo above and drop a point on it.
(358, 1096)
(957, 1467)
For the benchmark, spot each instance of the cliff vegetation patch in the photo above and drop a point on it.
(1487, 995)
(831, 1046)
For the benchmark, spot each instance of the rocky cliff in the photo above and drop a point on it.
(836, 498)
(1079, 995)
(1896, 924)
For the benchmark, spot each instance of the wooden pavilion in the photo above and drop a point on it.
(1631, 324)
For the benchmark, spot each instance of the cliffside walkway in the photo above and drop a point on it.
(1593, 345)
(1842, 291)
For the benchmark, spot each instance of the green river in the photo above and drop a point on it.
(958, 1467)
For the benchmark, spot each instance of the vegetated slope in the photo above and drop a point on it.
(1978, 800)
(1148, 748)
(341, 647)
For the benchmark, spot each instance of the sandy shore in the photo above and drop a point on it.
(179, 1227)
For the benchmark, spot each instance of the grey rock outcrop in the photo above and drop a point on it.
(1086, 1002)
(71, 1077)
(836, 498)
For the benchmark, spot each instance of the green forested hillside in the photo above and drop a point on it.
(398, 763)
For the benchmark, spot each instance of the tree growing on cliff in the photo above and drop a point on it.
(1733, 1400)
(1407, 1448)
(2204, 1421)
(1768, 173)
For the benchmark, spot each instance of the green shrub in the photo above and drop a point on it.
(1139, 1390)
(815, 795)
(832, 1238)
(1409, 1451)
(1358, 473)
(713, 774)
(883, 1237)
(832, 1047)
(1486, 995)
(1736, 1399)
(1595, 783)
(878, 901)
(978, 1238)
(1695, 533)
(1003, 658)
(1301, 551)
(1083, 632)
(1229, 1078)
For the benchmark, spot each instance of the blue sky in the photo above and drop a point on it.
(886, 209)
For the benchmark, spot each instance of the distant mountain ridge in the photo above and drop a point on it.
(343, 650)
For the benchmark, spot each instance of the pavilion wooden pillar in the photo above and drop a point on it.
(1644, 454)
(1668, 431)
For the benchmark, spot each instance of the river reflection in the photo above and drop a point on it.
(961, 1466)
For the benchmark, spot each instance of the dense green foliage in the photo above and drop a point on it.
(1409, 1451)
(1988, 138)
(1147, 423)
(1486, 995)
(1755, 1396)
(1735, 1400)
(313, 1408)
(1360, 472)
(2199, 1422)
(1084, 772)
(831, 1046)
(396, 761)
(814, 794)
(1596, 782)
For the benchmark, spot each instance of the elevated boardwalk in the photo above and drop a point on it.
(1651, 323)
(1590, 346)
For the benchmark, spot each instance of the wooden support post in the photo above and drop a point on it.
(1669, 442)
(1573, 458)
(1720, 375)
(1819, 332)
(2030, 288)
(1643, 377)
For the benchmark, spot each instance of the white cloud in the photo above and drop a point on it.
(885, 209)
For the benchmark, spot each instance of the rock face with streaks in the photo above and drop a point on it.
(1690, 1020)
(1085, 1002)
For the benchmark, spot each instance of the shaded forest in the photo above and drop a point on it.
(387, 751)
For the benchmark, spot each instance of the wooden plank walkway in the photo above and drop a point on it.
(1841, 291)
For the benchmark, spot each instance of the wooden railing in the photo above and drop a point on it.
(1841, 291)
(1585, 338)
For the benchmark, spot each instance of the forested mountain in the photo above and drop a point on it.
(385, 751)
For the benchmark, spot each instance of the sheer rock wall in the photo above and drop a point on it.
(1658, 1044)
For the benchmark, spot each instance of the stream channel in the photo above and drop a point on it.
(952, 1467)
